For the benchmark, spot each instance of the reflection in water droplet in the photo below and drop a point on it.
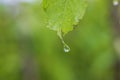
(115, 2)
(66, 47)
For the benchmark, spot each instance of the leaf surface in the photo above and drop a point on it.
(62, 15)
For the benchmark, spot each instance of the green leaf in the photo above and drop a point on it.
(62, 15)
(58, 15)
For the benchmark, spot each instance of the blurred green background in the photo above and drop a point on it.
(36, 53)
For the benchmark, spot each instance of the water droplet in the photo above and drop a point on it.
(115, 2)
(66, 47)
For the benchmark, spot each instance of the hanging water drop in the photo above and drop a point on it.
(115, 2)
(66, 47)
